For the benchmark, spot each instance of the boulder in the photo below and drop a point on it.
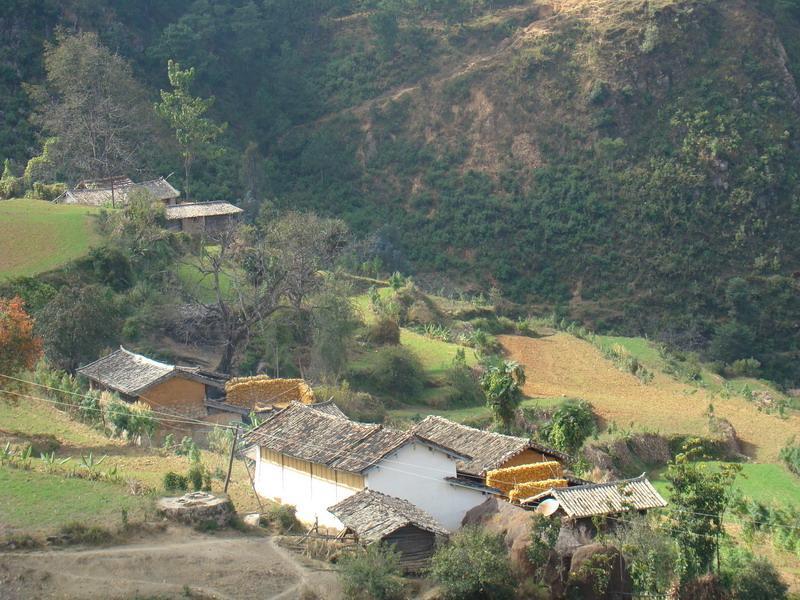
(197, 508)
(252, 520)
(510, 521)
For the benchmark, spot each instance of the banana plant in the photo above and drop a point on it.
(91, 464)
(6, 454)
(51, 462)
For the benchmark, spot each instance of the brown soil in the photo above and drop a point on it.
(178, 564)
(562, 365)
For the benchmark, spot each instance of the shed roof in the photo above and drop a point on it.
(99, 192)
(488, 450)
(191, 210)
(305, 432)
(131, 374)
(596, 499)
(372, 516)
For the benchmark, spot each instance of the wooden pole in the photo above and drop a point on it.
(230, 459)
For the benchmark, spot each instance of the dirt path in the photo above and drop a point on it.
(224, 566)
(562, 365)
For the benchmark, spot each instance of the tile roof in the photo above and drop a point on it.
(131, 374)
(373, 516)
(596, 499)
(95, 194)
(488, 450)
(201, 209)
(305, 432)
(329, 408)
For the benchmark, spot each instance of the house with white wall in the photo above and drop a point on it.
(314, 459)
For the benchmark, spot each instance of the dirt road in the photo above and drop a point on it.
(177, 564)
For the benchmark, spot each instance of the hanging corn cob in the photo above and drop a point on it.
(506, 479)
(531, 488)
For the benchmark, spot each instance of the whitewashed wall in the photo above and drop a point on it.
(311, 496)
(416, 472)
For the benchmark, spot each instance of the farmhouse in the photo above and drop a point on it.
(313, 458)
(179, 390)
(198, 217)
(497, 462)
(116, 191)
(370, 517)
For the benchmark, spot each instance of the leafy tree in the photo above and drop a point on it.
(333, 321)
(732, 341)
(77, 324)
(473, 565)
(699, 497)
(372, 573)
(397, 370)
(571, 424)
(19, 347)
(503, 387)
(93, 107)
(195, 133)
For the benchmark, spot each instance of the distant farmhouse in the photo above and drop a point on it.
(116, 191)
(191, 217)
(197, 217)
(178, 390)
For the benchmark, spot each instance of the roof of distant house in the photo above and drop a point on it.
(99, 192)
(131, 374)
(488, 450)
(191, 210)
(597, 499)
(305, 432)
(372, 515)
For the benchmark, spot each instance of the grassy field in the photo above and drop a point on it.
(37, 236)
(69, 501)
(35, 502)
(765, 483)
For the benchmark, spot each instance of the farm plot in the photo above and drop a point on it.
(37, 236)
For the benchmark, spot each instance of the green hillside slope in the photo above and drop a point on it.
(630, 163)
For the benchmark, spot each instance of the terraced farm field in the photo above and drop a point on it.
(37, 236)
(561, 364)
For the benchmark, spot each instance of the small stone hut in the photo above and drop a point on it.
(199, 217)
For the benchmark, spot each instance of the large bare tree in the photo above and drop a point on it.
(246, 274)
(94, 107)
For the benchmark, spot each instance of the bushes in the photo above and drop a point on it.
(474, 565)
(173, 482)
(570, 425)
(359, 406)
(133, 420)
(790, 455)
(748, 577)
(372, 574)
(397, 370)
(384, 331)
(464, 387)
(282, 517)
(744, 367)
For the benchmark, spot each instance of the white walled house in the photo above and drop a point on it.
(312, 459)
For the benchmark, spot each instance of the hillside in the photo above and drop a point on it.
(37, 236)
(625, 162)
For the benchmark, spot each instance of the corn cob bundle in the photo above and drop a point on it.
(263, 390)
(531, 488)
(506, 479)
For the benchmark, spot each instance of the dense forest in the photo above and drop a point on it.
(633, 164)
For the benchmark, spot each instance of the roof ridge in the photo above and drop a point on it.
(617, 483)
(147, 359)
